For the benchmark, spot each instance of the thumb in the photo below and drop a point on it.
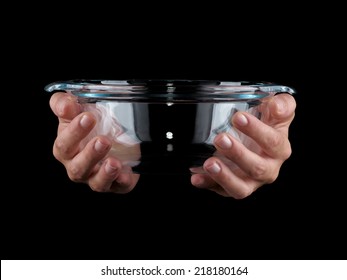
(278, 109)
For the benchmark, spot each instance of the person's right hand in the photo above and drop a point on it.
(86, 164)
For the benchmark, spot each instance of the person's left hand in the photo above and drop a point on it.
(254, 169)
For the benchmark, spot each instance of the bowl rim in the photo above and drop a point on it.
(168, 90)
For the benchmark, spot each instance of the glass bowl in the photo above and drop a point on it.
(167, 126)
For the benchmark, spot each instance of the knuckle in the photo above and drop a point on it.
(287, 152)
(241, 194)
(258, 171)
(75, 173)
(56, 153)
(274, 141)
(98, 187)
(60, 147)
(272, 176)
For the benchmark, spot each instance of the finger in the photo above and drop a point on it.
(103, 179)
(125, 182)
(279, 109)
(233, 185)
(202, 181)
(274, 142)
(66, 145)
(113, 177)
(65, 106)
(82, 165)
(252, 164)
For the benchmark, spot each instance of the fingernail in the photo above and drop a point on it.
(213, 168)
(224, 142)
(110, 169)
(280, 105)
(60, 108)
(86, 121)
(100, 146)
(241, 119)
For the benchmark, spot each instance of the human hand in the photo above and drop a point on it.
(88, 163)
(258, 164)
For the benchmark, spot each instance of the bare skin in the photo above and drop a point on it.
(91, 165)
(86, 164)
(254, 169)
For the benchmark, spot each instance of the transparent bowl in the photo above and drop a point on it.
(167, 126)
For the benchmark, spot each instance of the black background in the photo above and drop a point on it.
(46, 216)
